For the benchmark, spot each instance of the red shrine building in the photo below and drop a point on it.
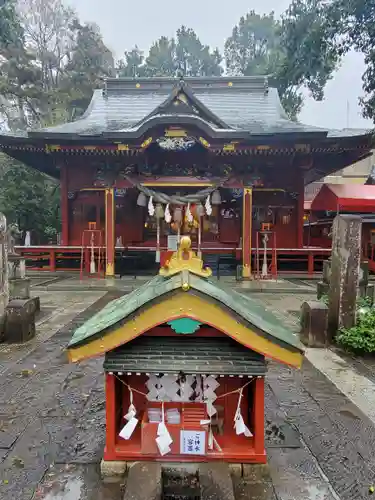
(185, 362)
(213, 158)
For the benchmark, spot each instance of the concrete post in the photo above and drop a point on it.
(4, 284)
(344, 280)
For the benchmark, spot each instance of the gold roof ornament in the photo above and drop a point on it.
(185, 260)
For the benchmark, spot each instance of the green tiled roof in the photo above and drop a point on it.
(245, 308)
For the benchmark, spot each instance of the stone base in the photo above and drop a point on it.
(314, 324)
(322, 289)
(19, 288)
(20, 321)
(112, 470)
(144, 481)
(215, 481)
(2, 327)
(256, 473)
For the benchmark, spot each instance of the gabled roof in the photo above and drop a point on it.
(345, 198)
(238, 104)
(185, 293)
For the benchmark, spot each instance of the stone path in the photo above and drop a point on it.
(52, 416)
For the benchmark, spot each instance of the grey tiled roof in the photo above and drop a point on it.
(245, 106)
(191, 355)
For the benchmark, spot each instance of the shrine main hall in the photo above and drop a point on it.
(216, 159)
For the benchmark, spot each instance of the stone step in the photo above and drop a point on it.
(144, 482)
(215, 481)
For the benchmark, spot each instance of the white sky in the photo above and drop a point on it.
(126, 23)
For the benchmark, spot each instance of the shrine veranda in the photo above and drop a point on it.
(153, 159)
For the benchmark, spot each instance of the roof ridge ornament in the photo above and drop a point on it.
(183, 261)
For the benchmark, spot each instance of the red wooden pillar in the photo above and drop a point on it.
(310, 263)
(246, 232)
(259, 417)
(300, 210)
(110, 232)
(52, 261)
(110, 417)
(64, 205)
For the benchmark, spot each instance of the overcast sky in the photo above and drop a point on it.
(125, 23)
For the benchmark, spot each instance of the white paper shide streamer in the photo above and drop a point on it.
(163, 439)
(151, 208)
(239, 423)
(167, 215)
(210, 384)
(127, 431)
(208, 206)
(189, 215)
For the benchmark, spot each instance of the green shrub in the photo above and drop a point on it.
(361, 337)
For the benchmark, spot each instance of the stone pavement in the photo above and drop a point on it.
(320, 422)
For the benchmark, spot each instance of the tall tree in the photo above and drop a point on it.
(133, 63)
(261, 45)
(184, 55)
(350, 24)
(29, 199)
(19, 76)
(89, 62)
(11, 32)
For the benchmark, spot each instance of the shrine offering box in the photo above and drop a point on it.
(189, 437)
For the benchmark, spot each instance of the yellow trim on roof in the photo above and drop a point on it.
(189, 306)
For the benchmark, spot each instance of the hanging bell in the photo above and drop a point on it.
(216, 197)
(141, 200)
(200, 210)
(189, 215)
(159, 212)
(177, 215)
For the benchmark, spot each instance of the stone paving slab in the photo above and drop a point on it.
(54, 415)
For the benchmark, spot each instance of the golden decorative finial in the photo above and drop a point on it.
(185, 260)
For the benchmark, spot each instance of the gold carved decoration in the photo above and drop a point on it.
(175, 132)
(203, 141)
(50, 148)
(146, 143)
(185, 260)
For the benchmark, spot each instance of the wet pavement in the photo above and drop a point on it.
(52, 417)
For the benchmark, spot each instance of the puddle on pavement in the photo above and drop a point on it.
(316, 492)
(72, 491)
(72, 482)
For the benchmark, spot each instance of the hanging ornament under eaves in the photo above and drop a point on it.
(159, 212)
(141, 200)
(216, 197)
(167, 215)
(208, 206)
(177, 215)
(151, 208)
(189, 215)
(200, 210)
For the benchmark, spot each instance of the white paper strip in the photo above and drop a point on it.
(129, 428)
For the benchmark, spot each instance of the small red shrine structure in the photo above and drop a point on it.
(218, 158)
(184, 367)
(332, 199)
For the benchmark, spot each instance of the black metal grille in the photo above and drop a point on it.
(177, 487)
